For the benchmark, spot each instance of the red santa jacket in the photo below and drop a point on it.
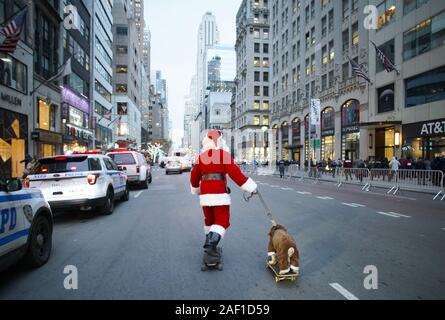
(214, 192)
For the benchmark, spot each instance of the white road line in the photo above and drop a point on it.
(325, 198)
(345, 293)
(287, 189)
(274, 186)
(138, 194)
(303, 192)
(353, 205)
(393, 214)
(400, 215)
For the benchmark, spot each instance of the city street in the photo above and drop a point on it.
(151, 246)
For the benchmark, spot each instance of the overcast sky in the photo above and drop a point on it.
(174, 32)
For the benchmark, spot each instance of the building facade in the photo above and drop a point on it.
(102, 73)
(312, 42)
(253, 78)
(126, 76)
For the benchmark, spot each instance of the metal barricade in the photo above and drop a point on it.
(293, 171)
(359, 176)
(419, 180)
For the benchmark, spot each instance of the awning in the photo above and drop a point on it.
(379, 124)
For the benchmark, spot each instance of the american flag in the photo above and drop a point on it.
(387, 64)
(358, 71)
(12, 31)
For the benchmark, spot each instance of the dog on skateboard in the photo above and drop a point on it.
(283, 250)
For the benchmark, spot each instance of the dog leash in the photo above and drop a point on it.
(268, 212)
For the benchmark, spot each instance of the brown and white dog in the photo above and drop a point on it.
(283, 249)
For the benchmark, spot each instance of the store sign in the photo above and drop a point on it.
(425, 129)
(327, 132)
(76, 117)
(12, 100)
(75, 100)
(350, 129)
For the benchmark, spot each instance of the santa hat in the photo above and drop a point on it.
(213, 140)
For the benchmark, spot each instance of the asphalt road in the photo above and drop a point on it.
(151, 247)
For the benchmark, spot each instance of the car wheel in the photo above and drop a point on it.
(144, 183)
(39, 242)
(126, 195)
(108, 207)
(149, 178)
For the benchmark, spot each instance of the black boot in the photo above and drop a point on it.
(212, 254)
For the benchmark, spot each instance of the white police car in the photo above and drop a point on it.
(82, 181)
(26, 225)
(134, 164)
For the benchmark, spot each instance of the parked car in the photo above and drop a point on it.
(173, 166)
(186, 164)
(80, 182)
(26, 225)
(134, 164)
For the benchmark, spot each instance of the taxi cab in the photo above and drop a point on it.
(80, 181)
(26, 225)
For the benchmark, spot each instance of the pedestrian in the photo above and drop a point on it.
(208, 180)
(281, 167)
(394, 165)
(347, 165)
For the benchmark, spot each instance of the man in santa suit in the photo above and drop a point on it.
(208, 180)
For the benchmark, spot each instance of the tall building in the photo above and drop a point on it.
(208, 36)
(77, 113)
(102, 57)
(146, 53)
(253, 78)
(138, 13)
(127, 62)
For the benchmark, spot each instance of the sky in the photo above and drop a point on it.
(174, 32)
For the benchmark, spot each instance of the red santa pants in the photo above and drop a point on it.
(219, 215)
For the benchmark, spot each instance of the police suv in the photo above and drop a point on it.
(82, 181)
(134, 164)
(26, 225)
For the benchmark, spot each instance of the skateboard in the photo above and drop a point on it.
(216, 266)
(280, 277)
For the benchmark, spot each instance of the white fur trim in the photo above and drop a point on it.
(285, 271)
(270, 254)
(208, 144)
(194, 190)
(218, 229)
(249, 186)
(295, 269)
(206, 229)
(212, 200)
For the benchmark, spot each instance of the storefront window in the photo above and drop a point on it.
(76, 117)
(296, 130)
(47, 116)
(327, 133)
(284, 131)
(47, 150)
(350, 113)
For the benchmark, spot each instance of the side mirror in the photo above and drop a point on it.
(13, 185)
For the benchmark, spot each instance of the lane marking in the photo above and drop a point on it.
(325, 198)
(274, 186)
(400, 215)
(393, 214)
(353, 205)
(345, 293)
(138, 194)
(391, 196)
(303, 192)
(287, 189)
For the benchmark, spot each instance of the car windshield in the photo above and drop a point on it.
(122, 158)
(62, 164)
